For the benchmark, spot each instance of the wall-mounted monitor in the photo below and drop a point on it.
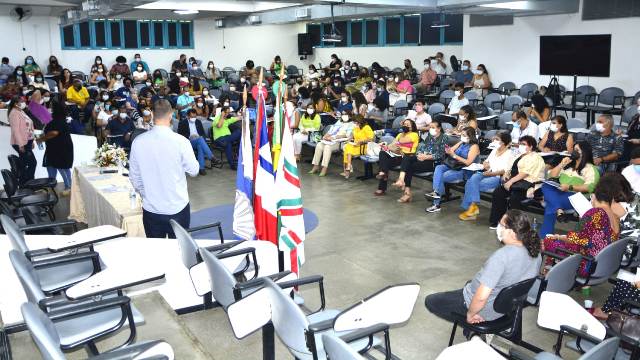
(581, 55)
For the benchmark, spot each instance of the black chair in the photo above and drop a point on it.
(35, 184)
(510, 302)
(47, 200)
(605, 103)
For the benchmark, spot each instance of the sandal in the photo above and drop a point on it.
(379, 193)
(405, 199)
(398, 185)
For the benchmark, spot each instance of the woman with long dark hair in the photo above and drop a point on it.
(58, 156)
(22, 137)
(518, 260)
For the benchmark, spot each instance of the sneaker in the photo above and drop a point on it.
(202, 172)
(433, 209)
(432, 195)
(493, 227)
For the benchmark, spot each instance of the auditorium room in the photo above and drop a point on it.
(320, 179)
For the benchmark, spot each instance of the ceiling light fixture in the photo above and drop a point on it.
(186, 12)
(510, 5)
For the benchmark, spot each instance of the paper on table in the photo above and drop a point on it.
(628, 276)
(482, 118)
(580, 130)
(474, 167)
(580, 203)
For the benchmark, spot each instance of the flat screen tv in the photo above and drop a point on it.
(581, 55)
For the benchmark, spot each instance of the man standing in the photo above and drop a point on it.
(157, 166)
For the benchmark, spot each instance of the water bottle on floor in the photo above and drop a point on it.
(133, 201)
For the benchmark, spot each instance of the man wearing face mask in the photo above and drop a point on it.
(180, 64)
(632, 172)
(6, 70)
(438, 64)
(464, 75)
(409, 72)
(185, 101)
(456, 103)
(140, 75)
(223, 136)
(607, 146)
(192, 129)
(119, 130)
(517, 260)
(522, 126)
(137, 60)
(427, 78)
(196, 72)
(120, 67)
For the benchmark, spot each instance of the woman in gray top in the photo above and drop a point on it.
(519, 259)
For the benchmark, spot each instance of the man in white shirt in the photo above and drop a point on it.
(157, 165)
(522, 126)
(458, 101)
(632, 172)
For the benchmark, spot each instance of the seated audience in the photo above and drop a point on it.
(185, 101)
(38, 81)
(540, 111)
(438, 64)
(120, 67)
(464, 75)
(466, 118)
(462, 154)
(192, 129)
(309, 122)
(361, 136)
(6, 69)
(140, 75)
(21, 76)
(338, 133)
(195, 72)
(362, 80)
(54, 68)
(526, 172)
(632, 171)
(458, 100)
(599, 226)
(180, 65)
(517, 260)
(487, 180)
(557, 138)
(30, 66)
(522, 126)
(345, 103)
(98, 75)
(429, 153)
(360, 106)
(481, 81)
(137, 60)
(428, 78)
(574, 174)
(405, 144)
(10, 89)
(633, 130)
(120, 128)
(79, 96)
(607, 146)
(408, 72)
(224, 136)
(420, 116)
(403, 86)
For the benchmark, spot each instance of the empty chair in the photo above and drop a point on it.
(527, 90)
(79, 74)
(397, 122)
(574, 123)
(506, 88)
(504, 118)
(561, 278)
(446, 83)
(513, 103)
(293, 72)
(51, 83)
(400, 107)
(337, 349)
(493, 101)
(446, 96)
(472, 96)
(13, 195)
(47, 339)
(233, 78)
(435, 109)
(605, 350)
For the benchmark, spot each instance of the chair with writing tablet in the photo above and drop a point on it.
(48, 340)
(337, 349)
(302, 333)
(601, 267)
(561, 278)
(80, 322)
(605, 350)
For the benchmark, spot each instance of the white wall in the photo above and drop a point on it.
(511, 52)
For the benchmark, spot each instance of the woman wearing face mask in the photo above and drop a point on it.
(522, 126)
(351, 74)
(488, 179)
(54, 68)
(361, 136)
(21, 76)
(38, 81)
(38, 108)
(575, 174)
(429, 152)
(339, 132)
(97, 61)
(140, 74)
(526, 172)
(146, 121)
(345, 103)
(466, 118)
(312, 74)
(195, 89)
(202, 110)
(633, 131)
(599, 226)
(309, 122)
(360, 104)
(464, 153)
(517, 260)
(481, 81)
(30, 66)
(98, 75)
(405, 144)
(558, 137)
(116, 82)
(403, 86)
(106, 113)
(363, 80)
(22, 137)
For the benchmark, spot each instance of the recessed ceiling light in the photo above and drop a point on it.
(186, 12)
(511, 5)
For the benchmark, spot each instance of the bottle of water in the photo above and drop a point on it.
(534, 226)
(133, 201)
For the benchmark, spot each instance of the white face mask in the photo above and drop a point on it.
(433, 132)
(426, 66)
(46, 99)
(105, 97)
(146, 112)
(194, 68)
(22, 105)
(336, 84)
(396, 79)
(344, 99)
(232, 88)
(457, 93)
(499, 232)
(178, 74)
(192, 120)
(477, 72)
(242, 80)
(465, 67)
(309, 111)
(140, 69)
(186, 93)
(200, 105)
(118, 76)
(522, 149)
(599, 127)
(314, 84)
(148, 83)
(210, 66)
(553, 127)
(462, 117)
(205, 93)
(123, 115)
(98, 62)
(464, 139)
(114, 112)
(311, 71)
(345, 118)
(225, 104)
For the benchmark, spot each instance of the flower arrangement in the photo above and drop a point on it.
(110, 155)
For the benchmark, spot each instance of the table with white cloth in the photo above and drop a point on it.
(103, 199)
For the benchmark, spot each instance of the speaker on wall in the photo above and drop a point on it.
(304, 44)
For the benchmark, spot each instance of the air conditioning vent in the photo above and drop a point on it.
(302, 13)
(254, 19)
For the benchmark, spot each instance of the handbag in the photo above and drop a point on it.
(521, 185)
(624, 323)
(452, 163)
(373, 149)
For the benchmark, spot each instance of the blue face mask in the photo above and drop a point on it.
(636, 168)
(107, 107)
(516, 125)
(29, 61)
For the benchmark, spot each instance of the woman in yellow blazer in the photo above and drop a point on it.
(362, 134)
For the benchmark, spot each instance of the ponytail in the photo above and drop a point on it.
(519, 222)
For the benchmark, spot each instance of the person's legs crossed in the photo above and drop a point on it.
(199, 152)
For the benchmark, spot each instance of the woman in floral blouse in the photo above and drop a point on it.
(598, 227)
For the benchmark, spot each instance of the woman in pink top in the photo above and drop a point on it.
(403, 85)
(22, 137)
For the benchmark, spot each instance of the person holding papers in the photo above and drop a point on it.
(338, 133)
(488, 178)
(462, 154)
(391, 155)
(632, 172)
(599, 226)
(575, 174)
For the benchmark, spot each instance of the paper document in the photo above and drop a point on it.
(483, 118)
(545, 154)
(580, 130)
(555, 184)
(580, 203)
(474, 167)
